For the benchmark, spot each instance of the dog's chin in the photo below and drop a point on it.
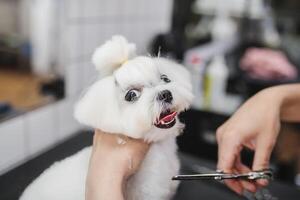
(166, 119)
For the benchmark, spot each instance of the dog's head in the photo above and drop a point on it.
(139, 96)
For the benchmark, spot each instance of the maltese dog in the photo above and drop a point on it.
(140, 97)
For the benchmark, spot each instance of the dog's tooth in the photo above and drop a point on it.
(170, 121)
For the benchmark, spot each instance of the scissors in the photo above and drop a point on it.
(219, 175)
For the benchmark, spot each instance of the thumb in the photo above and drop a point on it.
(264, 146)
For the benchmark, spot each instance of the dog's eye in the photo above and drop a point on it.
(165, 78)
(132, 95)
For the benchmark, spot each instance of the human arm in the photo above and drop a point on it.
(256, 125)
(290, 103)
(114, 159)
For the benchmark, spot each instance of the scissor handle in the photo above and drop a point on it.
(261, 174)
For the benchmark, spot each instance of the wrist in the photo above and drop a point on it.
(274, 96)
(286, 99)
(108, 186)
(108, 168)
(105, 179)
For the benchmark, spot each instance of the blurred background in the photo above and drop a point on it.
(232, 48)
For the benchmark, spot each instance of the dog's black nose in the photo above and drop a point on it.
(165, 96)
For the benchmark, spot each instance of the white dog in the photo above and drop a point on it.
(139, 97)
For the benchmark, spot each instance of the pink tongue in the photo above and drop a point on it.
(169, 117)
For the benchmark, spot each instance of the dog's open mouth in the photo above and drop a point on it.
(166, 119)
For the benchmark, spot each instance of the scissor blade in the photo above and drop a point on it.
(254, 175)
(197, 177)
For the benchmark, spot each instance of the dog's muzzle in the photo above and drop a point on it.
(166, 119)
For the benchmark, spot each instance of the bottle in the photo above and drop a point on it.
(215, 84)
(223, 26)
(196, 66)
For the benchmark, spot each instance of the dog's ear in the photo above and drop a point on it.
(112, 54)
(99, 107)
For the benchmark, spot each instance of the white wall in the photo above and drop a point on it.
(43, 26)
(23, 18)
(84, 25)
(87, 24)
(14, 17)
(28, 135)
(8, 16)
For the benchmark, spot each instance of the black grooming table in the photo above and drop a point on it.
(14, 182)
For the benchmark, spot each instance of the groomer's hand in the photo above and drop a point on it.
(255, 125)
(114, 159)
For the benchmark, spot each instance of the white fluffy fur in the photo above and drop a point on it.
(113, 54)
(103, 106)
